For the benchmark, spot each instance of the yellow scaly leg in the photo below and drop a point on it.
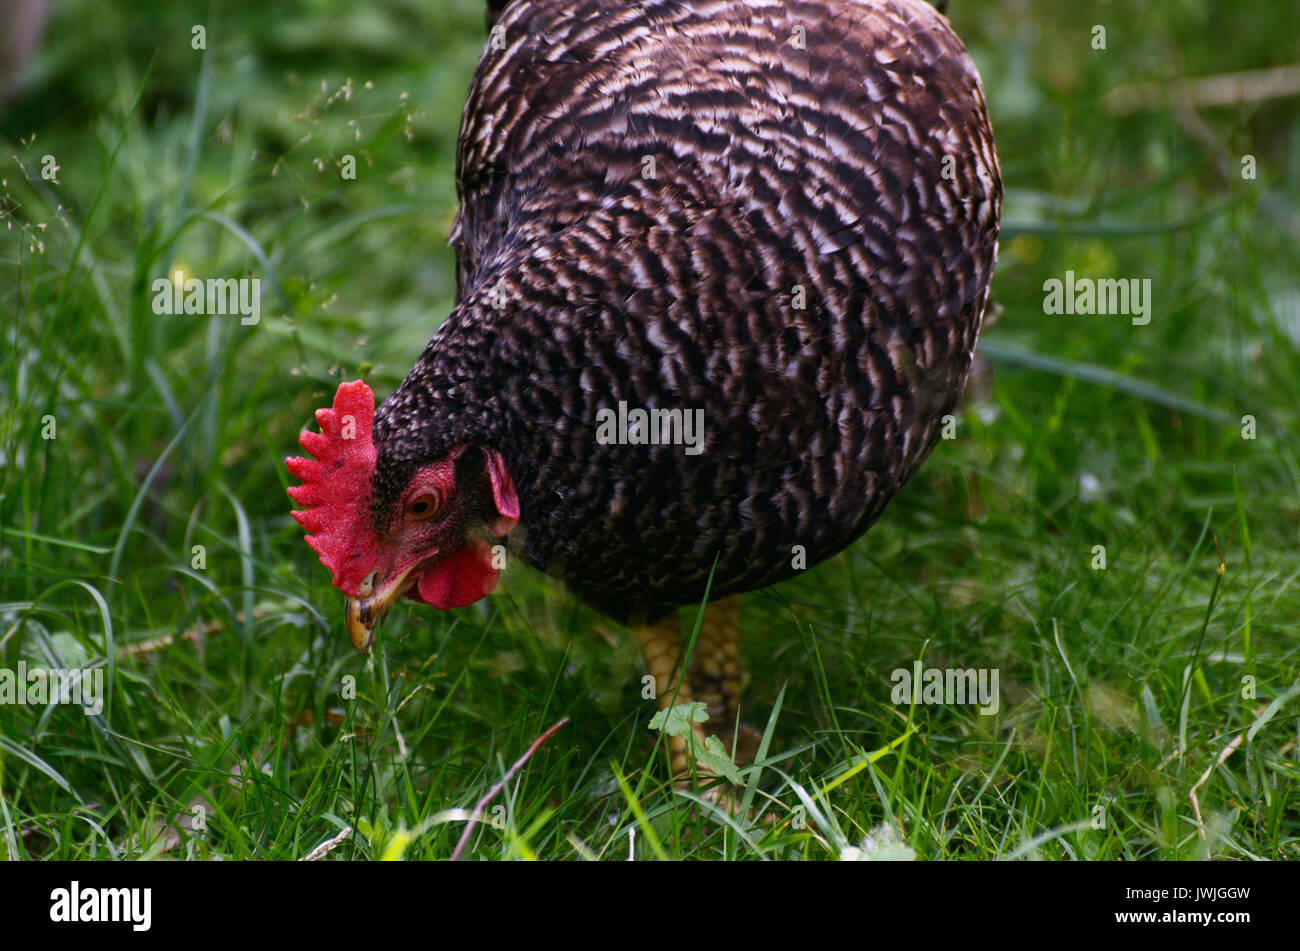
(712, 676)
(661, 647)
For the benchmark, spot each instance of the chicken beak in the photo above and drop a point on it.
(364, 614)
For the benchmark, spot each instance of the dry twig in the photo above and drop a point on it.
(492, 793)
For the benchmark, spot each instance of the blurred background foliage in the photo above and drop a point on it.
(226, 162)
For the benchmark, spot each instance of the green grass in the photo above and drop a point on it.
(1120, 687)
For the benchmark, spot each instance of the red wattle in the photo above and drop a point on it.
(461, 578)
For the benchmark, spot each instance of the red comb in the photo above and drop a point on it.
(335, 490)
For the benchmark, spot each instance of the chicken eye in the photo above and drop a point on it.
(425, 505)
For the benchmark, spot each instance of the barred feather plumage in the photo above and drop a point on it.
(646, 191)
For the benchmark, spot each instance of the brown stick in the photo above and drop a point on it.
(326, 847)
(1224, 89)
(1223, 755)
(193, 635)
(492, 793)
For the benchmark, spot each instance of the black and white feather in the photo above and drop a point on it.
(782, 213)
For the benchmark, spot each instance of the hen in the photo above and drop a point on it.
(721, 268)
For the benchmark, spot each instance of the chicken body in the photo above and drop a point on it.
(783, 214)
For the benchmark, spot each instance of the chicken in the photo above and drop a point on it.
(721, 268)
